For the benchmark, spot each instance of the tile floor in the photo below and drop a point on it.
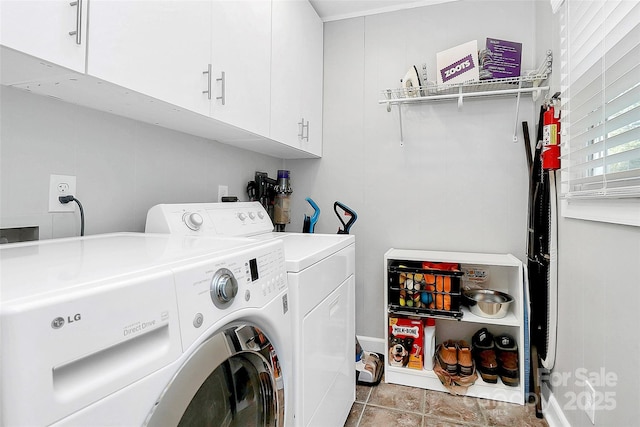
(401, 406)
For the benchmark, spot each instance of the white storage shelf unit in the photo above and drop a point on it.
(505, 273)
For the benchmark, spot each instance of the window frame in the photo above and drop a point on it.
(602, 208)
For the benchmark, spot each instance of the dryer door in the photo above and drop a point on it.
(232, 379)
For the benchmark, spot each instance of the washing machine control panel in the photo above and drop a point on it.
(213, 292)
(204, 219)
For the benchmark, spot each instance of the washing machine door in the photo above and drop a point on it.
(232, 379)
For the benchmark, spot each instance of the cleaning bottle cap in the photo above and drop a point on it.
(430, 321)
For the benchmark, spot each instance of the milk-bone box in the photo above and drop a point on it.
(424, 288)
(406, 341)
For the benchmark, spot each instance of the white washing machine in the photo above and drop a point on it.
(139, 329)
(321, 277)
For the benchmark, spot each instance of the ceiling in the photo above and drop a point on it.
(333, 10)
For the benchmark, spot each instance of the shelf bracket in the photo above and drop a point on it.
(536, 94)
(401, 132)
(388, 95)
(515, 127)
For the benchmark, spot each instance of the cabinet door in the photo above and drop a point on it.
(296, 69)
(42, 29)
(158, 48)
(311, 67)
(241, 49)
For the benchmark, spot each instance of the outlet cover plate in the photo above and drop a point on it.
(61, 185)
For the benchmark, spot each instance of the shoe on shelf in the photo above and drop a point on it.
(484, 354)
(448, 357)
(465, 361)
(507, 352)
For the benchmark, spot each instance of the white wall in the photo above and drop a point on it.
(459, 183)
(599, 300)
(123, 167)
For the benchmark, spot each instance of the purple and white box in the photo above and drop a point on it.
(458, 64)
(505, 58)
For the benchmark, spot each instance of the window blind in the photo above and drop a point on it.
(600, 83)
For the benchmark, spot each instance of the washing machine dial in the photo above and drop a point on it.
(224, 288)
(193, 220)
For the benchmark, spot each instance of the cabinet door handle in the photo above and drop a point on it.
(222, 87)
(303, 126)
(78, 30)
(208, 73)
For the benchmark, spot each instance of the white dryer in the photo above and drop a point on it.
(321, 277)
(139, 329)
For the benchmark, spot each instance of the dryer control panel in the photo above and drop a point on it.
(209, 219)
(212, 293)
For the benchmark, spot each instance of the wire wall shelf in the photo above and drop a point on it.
(494, 87)
(514, 86)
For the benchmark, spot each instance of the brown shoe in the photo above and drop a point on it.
(448, 357)
(508, 360)
(465, 361)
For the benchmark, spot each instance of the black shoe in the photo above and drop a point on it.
(507, 350)
(484, 355)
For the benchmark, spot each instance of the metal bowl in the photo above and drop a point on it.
(488, 303)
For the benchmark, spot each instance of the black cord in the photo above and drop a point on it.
(81, 216)
(66, 199)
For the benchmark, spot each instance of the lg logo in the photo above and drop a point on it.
(59, 322)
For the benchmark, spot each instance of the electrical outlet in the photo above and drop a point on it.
(223, 190)
(590, 402)
(61, 185)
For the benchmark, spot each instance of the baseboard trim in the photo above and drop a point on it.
(376, 345)
(551, 409)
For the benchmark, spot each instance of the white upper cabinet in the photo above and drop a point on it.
(296, 75)
(241, 57)
(157, 48)
(245, 72)
(52, 30)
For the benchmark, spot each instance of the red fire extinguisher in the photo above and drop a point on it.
(551, 136)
